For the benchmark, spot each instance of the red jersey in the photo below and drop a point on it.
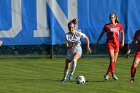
(112, 32)
(137, 38)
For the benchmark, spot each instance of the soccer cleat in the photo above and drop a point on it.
(70, 77)
(106, 77)
(132, 80)
(63, 80)
(114, 77)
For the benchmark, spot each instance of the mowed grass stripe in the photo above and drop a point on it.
(44, 75)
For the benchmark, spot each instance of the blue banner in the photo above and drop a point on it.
(36, 22)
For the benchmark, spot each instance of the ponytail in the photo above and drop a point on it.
(117, 20)
(73, 22)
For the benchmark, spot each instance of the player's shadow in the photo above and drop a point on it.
(86, 81)
(97, 81)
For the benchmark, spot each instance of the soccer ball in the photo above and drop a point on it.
(80, 80)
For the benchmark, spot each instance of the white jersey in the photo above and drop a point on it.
(76, 40)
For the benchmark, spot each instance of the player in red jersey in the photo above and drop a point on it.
(137, 55)
(113, 29)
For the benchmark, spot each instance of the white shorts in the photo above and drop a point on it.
(71, 53)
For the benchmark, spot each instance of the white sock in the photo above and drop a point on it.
(73, 66)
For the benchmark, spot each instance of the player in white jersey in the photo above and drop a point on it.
(74, 50)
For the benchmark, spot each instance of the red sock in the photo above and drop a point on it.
(133, 71)
(109, 69)
(112, 67)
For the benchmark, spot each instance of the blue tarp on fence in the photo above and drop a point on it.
(36, 22)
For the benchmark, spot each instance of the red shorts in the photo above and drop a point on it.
(137, 55)
(114, 47)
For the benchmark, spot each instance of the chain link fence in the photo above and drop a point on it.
(55, 51)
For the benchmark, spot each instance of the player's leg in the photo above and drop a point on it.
(115, 60)
(116, 51)
(133, 68)
(66, 69)
(112, 62)
(115, 57)
(111, 54)
(77, 55)
(69, 58)
(106, 76)
(111, 65)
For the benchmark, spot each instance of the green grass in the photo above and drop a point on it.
(44, 75)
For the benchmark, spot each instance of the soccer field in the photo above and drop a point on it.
(44, 75)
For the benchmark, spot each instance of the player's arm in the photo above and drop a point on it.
(101, 35)
(122, 43)
(1, 42)
(87, 43)
(131, 46)
(82, 35)
(69, 46)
